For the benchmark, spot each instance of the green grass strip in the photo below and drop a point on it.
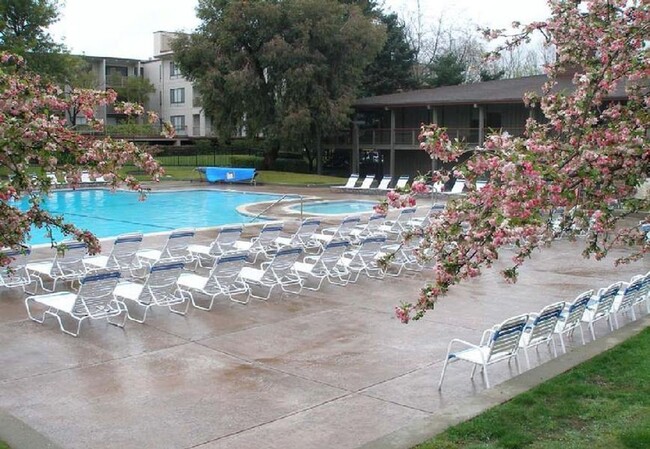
(602, 403)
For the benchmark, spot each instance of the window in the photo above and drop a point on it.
(178, 122)
(112, 70)
(174, 70)
(177, 96)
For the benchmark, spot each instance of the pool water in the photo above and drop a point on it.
(336, 207)
(107, 213)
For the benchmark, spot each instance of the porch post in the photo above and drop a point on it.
(481, 124)
(355, 148)
(392, 143)
(434, 121)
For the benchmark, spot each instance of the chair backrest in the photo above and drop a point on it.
(268, 234)
(352, 180)
(177, 242)
(367, 182)
(576, 309)
(505, 337)
(459, 185)
(543, 325)
(376, 220)
(644, 288)
(70, 260)
(52, 177)
(385, 182)
(405, 215)
(161, 281)
(226, 268)
(402, 181)
(227, 237)
(371, 246)
(333, 252)
(96, 294)
(14, 274)
(630, 293)
(307, 228)
(124, 249)
(284, 259)
(438, 187)
(605, 298)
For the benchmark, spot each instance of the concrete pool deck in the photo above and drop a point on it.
(326, 369)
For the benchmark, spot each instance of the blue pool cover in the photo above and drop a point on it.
(227, 174)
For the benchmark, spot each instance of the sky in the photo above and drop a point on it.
(124, 28)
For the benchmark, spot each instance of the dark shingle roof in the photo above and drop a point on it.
(498, 91)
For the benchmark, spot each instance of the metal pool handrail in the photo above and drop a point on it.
(287, 195)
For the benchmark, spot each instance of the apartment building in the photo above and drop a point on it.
(175, 99)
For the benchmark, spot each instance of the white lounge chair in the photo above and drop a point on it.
(54, 181)
(366, 183)
(497, 344)
(122, 256)
(67, 265)
(395, 228)
(94, 300)
(384, 184)
(363, 258)
(15, 274)
(644, 291)
(224, 242)
(571, 318)
(627, 299)
(352, 181)
(457, 188)
(541, 328)
(342, 231)
(159, 288)
(303, 235)
(86, 178)
(276, 272)
(402, 181)
(327, 265)
(264, 243)
(175, 248)
(223, 280)
(601, 307)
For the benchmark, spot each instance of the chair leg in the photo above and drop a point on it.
(442, 375)
(527, 358)
(562, 343)
(485, 376)
(592, 330)
(77, 320)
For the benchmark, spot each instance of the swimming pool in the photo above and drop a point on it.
(107, 213)
(335, 207)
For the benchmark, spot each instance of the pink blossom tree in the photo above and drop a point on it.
(33, 132)
(588, 154)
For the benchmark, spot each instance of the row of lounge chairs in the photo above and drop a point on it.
(504, 341)
(86, 180)
(385, 184)
(129, 280)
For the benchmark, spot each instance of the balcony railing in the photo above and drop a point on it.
(409, 136)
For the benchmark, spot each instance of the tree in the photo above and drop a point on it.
(33, 132)
(79, 75)
(134, 89)
(286, 69)
(446, 70)
(588, 153)
(393, 68)
(23, 31)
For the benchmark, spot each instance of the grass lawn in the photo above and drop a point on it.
(603, 403)
(4, 445)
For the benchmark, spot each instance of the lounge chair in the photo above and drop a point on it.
(571, 318)
(159, 288)
(303, 235)
(54, 181)
(67, 265)
(497, 344)
(223, 280)
(175, 247)
(325, 266)
(457, 188)
(352, 181)
(395, 228)
(402, 181)
(276, 272)
(541, 328)
(627, 299)
(94, 300)
(264, 243)
(601, 307)
(644, 291)
(361, 231)
(122, 256)
(384, 184)
(224, 242)
(87, 179)
(15, 274)
(364, 258)
(480, 185)
(342, 231)
(366, 183)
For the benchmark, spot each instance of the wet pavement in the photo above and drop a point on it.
(326, 369)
